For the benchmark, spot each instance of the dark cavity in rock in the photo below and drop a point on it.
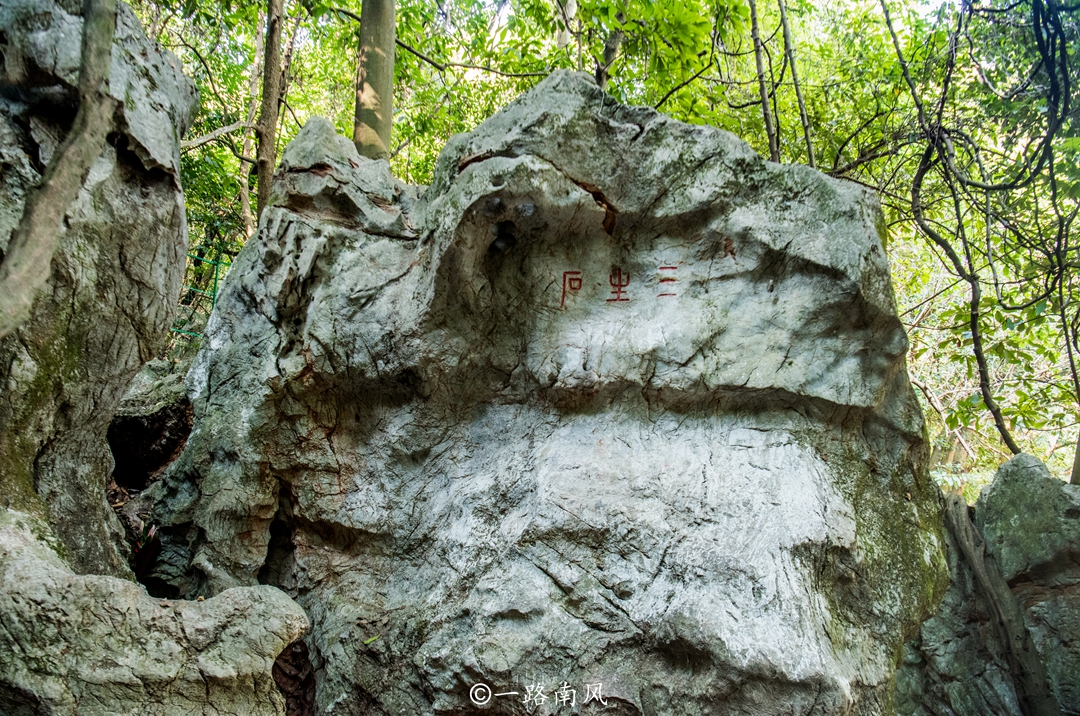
(144, 445)
(296, 680)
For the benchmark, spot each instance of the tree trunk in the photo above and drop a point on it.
(286, 72)
(1075, 479)
(980, 361)
(28, 262)
(789, 49)
(1029, 675)
(375, 80)
(1070, 341)
(611, 51)
(766, 112)
(266, 130)
(253, 107)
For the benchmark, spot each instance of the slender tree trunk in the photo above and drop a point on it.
(1075, 479)
(253, 108)
(28, 261)
(1067, 333)
(611, 51)
(789, 49)
(971, 277)
(984, 369)
(766, 112)
(1069, 342)
(286, 72)
(374, 114)
(266, 130)
(580, 38)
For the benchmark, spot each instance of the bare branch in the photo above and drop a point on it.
(443, 66)
(211, 136)
(679, 86)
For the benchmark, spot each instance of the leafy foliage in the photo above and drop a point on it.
(970, 105)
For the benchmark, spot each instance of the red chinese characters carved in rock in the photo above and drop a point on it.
(667, 281)
(619, 281)
(571, 283)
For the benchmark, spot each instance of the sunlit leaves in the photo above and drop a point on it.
(695, 56)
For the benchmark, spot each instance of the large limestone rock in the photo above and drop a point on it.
(100, 646)
(957, 664)
(115, 277)
(614, 402)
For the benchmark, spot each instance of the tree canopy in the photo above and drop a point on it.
(962, 116)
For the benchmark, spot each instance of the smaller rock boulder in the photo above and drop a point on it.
(1030, 522)
(100, 646)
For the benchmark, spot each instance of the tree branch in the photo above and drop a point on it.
(443, 66)
(211, 136)
(679, 86)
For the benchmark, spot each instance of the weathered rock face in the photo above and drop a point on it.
(615, 402)
(957, 664)
(99, 646)
(115, 278)
(71, 641)
(1031, 523)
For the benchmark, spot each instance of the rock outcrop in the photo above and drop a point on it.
(958, 664)
(115, 278)
(615, 406)
(75, 638)
(100, 646)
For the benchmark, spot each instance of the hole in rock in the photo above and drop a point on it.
(504, 238)
(279, 553)
(144, 445)
(295, 678)
(159, 588)
(17, 701)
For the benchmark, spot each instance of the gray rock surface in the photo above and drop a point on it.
(99, 646)
(614, 402)
(957, 665)
(115, 277)
(74, 640)
(1031, 523)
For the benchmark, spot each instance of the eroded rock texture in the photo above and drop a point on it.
(115, 277)
(614, 402)
(99, 646)
(72, 639)
(958, 664)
